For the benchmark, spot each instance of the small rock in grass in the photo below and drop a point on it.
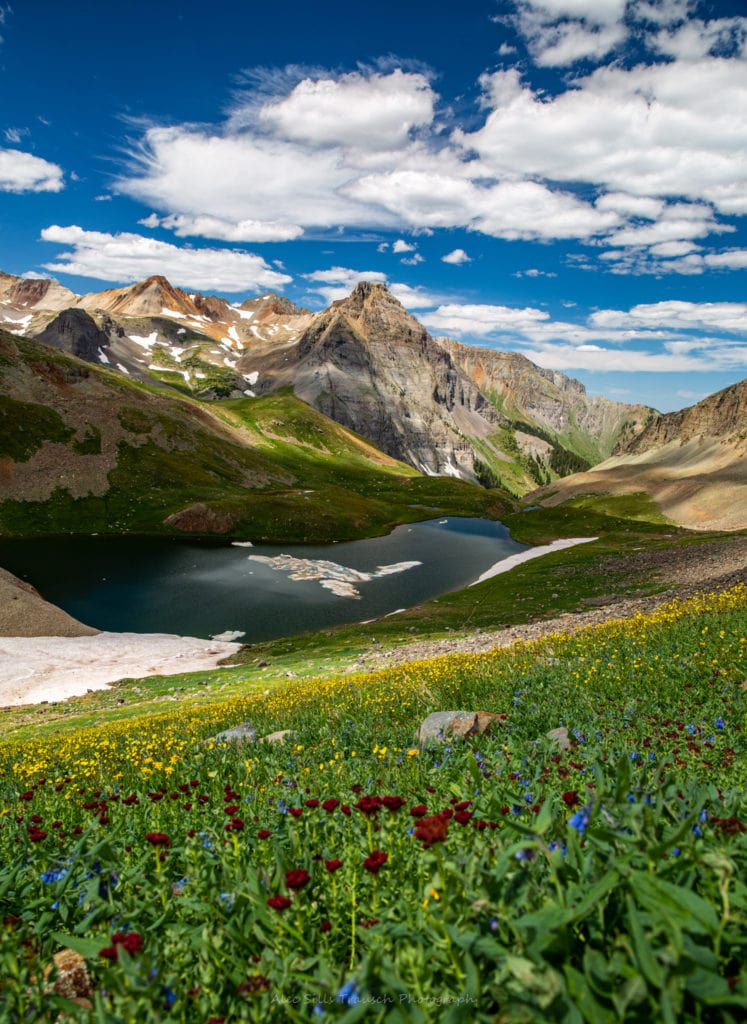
(443, 725)
(72, 981)
(242, 733)
(560, 737)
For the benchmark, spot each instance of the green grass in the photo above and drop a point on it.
(605, 882)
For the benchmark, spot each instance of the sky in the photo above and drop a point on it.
(562, 178)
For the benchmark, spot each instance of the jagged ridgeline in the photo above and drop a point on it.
(261, 383)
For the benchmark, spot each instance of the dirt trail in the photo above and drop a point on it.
(715, 565)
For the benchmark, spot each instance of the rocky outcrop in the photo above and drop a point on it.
(74, 331)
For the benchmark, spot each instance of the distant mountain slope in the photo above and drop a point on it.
(84, 449)
(365, 362)
(693, 463)
(589, 426)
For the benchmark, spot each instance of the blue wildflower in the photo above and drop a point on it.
(348, 994)
(527, 853)
(169, 996)
(55, 875)
(720, 723)
(580, 820)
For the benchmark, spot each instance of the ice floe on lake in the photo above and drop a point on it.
(339, 579)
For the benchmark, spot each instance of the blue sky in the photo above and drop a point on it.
(563, 178)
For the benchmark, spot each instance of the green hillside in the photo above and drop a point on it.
(86, 450)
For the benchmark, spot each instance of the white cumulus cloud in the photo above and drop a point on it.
(129, 257)
(457, 257)
(24, 172)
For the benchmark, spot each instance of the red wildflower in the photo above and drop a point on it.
(462, 817)
(463, 805)
(729, 826)
(393, 803)
(295, 811)
(35, 834)
(109, 952)
(432, 830)
(297, 879)
(419, 811)
(368, 922)
(312, 803)
(231, 809)
(203, 798)
(157, 839)
(325, 926)
(375, 861)
(263, 834)
(346, 810)
(333, 865)
(255, 984)
(29, 795)
(131, 941)
(571, 798)
(369, 805)
(234, 825)
(131, 799)
(330, 805)
(278, 902)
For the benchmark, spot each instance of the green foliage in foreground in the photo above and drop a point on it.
(601, 883)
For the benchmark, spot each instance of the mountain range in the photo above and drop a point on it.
(198, 403)
(365, 362)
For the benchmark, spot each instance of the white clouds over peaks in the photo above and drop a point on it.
(129, 257)
(678, 336)
(651, 130)
(367, 112)
(644, 162)
(215, 227)
(24, 172)
(303, 162)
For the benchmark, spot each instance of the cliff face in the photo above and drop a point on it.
(368, 364)
(592, 427)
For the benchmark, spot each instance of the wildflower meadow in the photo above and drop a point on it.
(349, 873)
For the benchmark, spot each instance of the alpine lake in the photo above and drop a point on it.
(254, 592)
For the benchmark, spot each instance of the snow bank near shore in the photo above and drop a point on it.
(51, 668)
(506, 564)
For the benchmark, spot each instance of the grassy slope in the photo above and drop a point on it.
(275, 466)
